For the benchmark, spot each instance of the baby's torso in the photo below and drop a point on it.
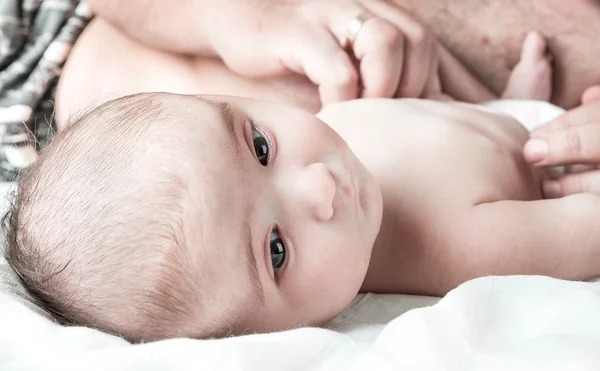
(434, 161)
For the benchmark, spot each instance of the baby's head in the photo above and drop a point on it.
(159, 215)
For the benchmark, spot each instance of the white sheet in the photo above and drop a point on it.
(508, 323)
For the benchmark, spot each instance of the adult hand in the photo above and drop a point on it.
(572, 139)
(392, 55)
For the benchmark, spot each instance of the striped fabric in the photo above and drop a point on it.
(36, 37)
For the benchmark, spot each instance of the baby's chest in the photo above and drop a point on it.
(438, 153)
(454, 166)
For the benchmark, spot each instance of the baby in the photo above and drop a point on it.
(161, 215)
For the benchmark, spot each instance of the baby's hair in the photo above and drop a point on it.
(102, 202)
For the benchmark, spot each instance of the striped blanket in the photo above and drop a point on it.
(36, 37)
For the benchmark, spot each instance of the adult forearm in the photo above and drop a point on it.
(179, 26)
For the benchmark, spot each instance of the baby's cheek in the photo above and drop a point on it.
(349, 264)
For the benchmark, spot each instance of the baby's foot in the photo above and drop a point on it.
(532, 76)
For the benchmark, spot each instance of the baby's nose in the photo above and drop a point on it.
(315, 189)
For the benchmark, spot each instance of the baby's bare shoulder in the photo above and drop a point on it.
(434, 171)
(453, 152)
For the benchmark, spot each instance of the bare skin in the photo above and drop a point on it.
(406, 252)
(393, 55)
(459, 200)
(573, 141)
(486, 36)
(124, 66)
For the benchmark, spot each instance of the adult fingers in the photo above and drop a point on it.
(586, 182)
(379, 46)
(573, 145)
(583, 115)
(419, 47)
(459, 82)
(327, 65)
(418, 63)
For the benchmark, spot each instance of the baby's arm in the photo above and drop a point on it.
(558, 238)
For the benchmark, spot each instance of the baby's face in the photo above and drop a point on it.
(283, 216)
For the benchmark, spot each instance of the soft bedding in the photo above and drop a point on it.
(493, 323)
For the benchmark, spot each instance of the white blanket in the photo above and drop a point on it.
(509, 323)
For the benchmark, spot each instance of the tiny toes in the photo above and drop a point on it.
(534, 48)
(532, 76)
(541, 70)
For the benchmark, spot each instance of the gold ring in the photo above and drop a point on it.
(356, 25)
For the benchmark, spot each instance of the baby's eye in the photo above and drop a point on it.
(261, 147)
(277, 250)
